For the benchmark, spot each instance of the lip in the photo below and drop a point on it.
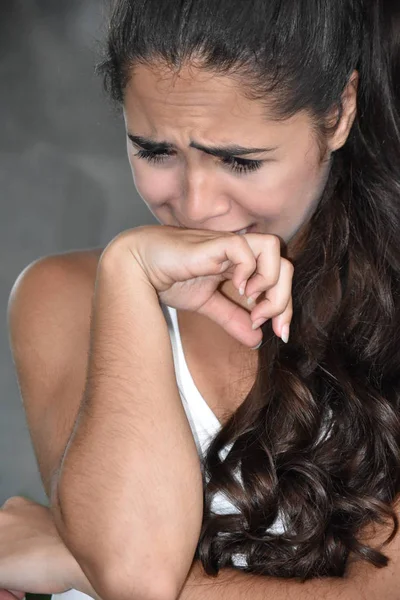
(250, 229)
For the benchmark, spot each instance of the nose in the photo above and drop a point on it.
(202, 198)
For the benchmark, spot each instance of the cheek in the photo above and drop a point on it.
(154, 188)
(287, 190)
(300, 185)
(273, 190)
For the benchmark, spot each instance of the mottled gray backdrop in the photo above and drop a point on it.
(65, 182)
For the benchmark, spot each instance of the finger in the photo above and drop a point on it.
(231, 317)
(267, 252)
(283, 320)
(277, 301)
(225, 252)
(11, 595)
(237, 253)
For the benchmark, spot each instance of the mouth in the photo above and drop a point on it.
(249, 229)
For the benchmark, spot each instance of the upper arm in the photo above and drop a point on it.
(49, 312)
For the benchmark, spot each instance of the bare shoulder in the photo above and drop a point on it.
(58, 279)
(49, 312)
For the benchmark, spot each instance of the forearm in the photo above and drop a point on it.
(83, 585)
(86, 588)
(128, 496)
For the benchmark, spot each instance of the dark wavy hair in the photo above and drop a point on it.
(316, 441)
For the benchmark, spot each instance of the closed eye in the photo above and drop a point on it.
(235, 164)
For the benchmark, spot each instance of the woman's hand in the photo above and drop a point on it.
(11, 595)
(186, 267)
(33, 557)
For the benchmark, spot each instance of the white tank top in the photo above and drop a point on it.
(203, 422)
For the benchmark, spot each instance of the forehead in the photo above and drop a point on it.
(158, 88)
(159, 100)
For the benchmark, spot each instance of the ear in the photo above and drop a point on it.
(349, 102)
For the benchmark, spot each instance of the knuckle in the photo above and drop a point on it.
(288, 266)
(274, 243)
(280, 307)
(241, 240)
(271, 279)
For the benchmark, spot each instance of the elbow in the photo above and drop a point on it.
(125, 583)
(113, 576)
(108, 564)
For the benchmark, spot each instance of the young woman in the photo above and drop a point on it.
(175, 449)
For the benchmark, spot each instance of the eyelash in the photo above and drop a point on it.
(237, 165)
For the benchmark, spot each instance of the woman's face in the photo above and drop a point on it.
(183, 184)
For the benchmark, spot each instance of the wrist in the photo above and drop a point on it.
(120, 258)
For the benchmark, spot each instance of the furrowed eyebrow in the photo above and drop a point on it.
(220, 152)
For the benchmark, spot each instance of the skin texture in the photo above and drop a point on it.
(11, 595)
(32, 553)
(193, 189)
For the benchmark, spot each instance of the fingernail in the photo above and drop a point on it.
(253, 298)
(258, 323)
(256, 347)
(242, 288)
(285, 333)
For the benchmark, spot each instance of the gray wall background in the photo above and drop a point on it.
(65, 181)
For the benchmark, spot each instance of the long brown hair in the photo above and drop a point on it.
(316, 441)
